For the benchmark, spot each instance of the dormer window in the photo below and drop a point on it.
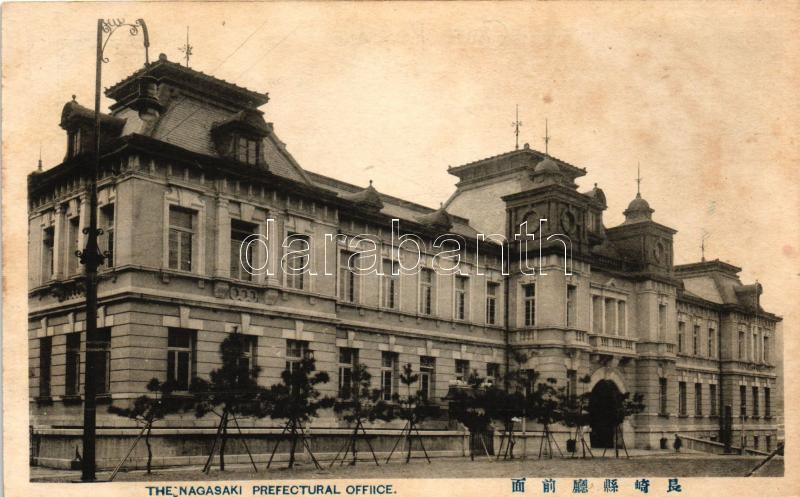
(75, 142)
(246, 150)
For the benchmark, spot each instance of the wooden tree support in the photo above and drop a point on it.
(407, 429)
(350, 445)
(617, 437)
(130, 451)
(580, 437)
(221, 436)
(507, 440)
(292, 426)
(547, 436)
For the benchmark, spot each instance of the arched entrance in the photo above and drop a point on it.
(602, 405)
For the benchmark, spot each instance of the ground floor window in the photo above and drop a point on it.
(72, 379)
(98, 352)
(427, 369)
(180, 358)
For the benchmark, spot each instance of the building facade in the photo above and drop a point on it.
(180, 192)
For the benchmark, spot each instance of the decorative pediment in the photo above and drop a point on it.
(368, 198)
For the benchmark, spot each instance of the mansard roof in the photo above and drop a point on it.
(510, 162)
(184, 77)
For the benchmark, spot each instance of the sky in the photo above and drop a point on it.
(702, 96)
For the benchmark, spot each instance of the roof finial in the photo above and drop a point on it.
(39, 167)
(186, 49)
(705, 234)
(638, 179)
(546, 137)
(370, 182)
(73, 97)
(516, 124)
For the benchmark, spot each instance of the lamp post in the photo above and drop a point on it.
(91, 257)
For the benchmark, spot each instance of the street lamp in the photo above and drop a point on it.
(91, 257)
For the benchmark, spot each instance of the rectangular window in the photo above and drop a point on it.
(741, 344)
(296, 350)
(572, 305)
(45, 361)
(462, 371)
(662, 321)
(247, 150)
(711, 342)
(743, 401)
(492, 373)
(348, 358)
(597, 315)
(48, 241)
(696, 340)
(388, 374)
(712, 396)
(180, 358)
(681, 335)
(611, 319)
(427, 371)
(461, 287)
(73, 264)
(621, 317)
(249, 355)
(390, 286)
(755, 402)
(755, 442)
(181, 237)
(529, 299)
(72, 380)
(698, 399)
(768, 440)
(296, 265)
(348, 279)
(491, 302)
(426, 282)
(682, 398)
(767, 406)
(107, 240)
(75, 142)
(98, 352)
(242, 253)
(766, 349)
(662, 396)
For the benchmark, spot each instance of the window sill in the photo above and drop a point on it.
(663, 415)
(683, 415)
(699, 416)
(72, 399)
(44, 401)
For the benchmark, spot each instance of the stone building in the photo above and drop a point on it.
(181, 190)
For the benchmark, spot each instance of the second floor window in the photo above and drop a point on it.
(181, 237)
(426, 282)
(48, 241)
(298, 262)
(107, 242)
(572, 305)
(348, 279)
(529, 307)
(765, 350)
(681, 335)
(491, 302)
(662, 396)
(242, 253)
(767, 406)
(710, 342)
(741, 344)
(390, 286)
(696, 340)
(462, 283)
